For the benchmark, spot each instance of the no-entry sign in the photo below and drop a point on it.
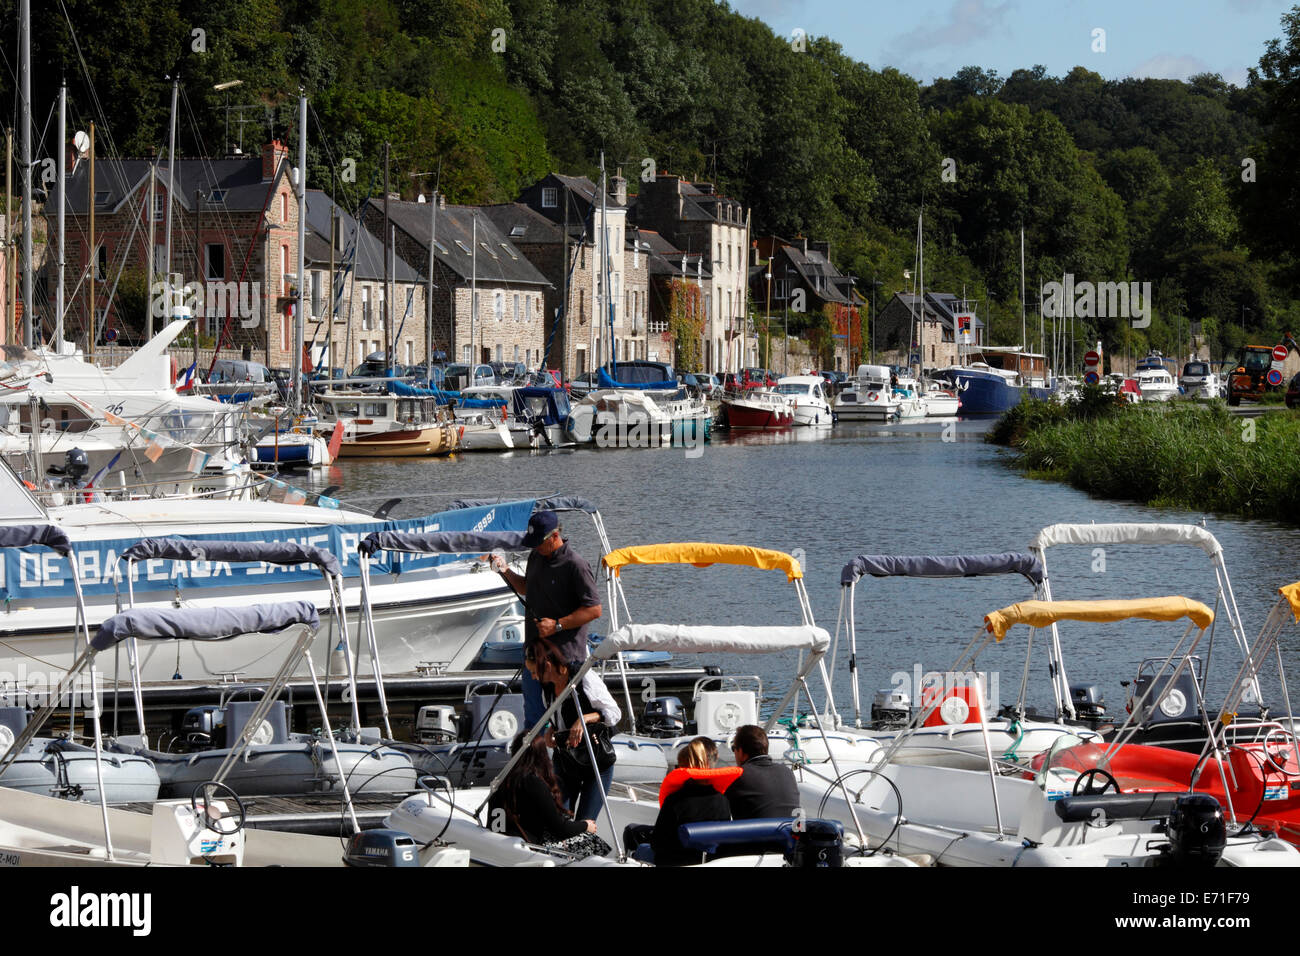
(1279, 353)
(1090, 359)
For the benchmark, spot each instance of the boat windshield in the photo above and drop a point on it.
(791, 389)
(1196, 368)
(1069, 756)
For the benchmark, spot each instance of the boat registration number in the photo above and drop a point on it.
(1280, 792)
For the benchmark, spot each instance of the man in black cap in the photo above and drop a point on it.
(562, 599)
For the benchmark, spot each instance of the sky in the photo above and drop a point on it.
(1168, 39)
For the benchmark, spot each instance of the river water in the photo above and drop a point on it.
(828, 495)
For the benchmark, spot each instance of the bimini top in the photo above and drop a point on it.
(441, 542)
(26, 535)
(203, 623)
(942, 566)
(286, 553)
(1094, 534)
(1292, 594)
(553, 503)
(1043, 613)
(703, 639)
(702, 554)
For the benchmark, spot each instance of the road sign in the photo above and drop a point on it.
(1091, 359)
(1279, 353)
(110, 335)
(1091, 378)
(1274, 377)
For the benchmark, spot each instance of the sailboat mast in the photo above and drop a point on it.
(62, 189)
(299, 330)
(25, 29)
(428, 295)
(473, 297)
(1024, 335)
(171, 182)
(605, 262)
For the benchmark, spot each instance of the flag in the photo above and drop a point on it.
(186, 381)
(153, 451)
(198, 461)
(294, 496)
(103, 471)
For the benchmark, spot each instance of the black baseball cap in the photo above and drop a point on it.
(540, 525)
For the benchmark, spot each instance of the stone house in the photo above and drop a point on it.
(803, 279)
(924, 325)
(695, 218)
(234, 239)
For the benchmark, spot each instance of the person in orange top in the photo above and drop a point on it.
(693, 793)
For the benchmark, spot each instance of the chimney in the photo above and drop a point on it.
(273, 154)
(618, 189)
(804, 240)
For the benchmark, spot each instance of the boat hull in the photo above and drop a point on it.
(408, 443)
(752, 415)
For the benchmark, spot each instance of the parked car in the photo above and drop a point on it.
(509, 373)
(458, 376)
(423, 374)
(1293, 392)
(710, 385)
(692, 384)
(582, 384)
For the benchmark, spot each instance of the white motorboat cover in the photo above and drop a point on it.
(272, 552)
(442, 542)
(27, 535)
(942, 566)
(1124, 533)
(709, 639)
(203, 623)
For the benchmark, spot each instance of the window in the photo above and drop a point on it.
(284, 207)
(499, 305)
(215, 257)
(101, 196)
(461, 246)
(498, 352)
(528, 308)
(549, 197)
(367, 316)
(217, 197)
(506, 250)
(518, 317)
(284, 269)
(465, 355)
(160, 260)
(410, 352)
(379, 303)
(516, 353)
(101, 262)
(719, 259)
(488, 249)
(317, 288)
(159, 210)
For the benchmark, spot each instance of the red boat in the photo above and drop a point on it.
(758, 409)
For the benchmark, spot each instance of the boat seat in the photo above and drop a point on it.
(1116, 806)
(754, 835)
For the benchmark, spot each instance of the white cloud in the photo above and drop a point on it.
(967, 20)
(1167, 66)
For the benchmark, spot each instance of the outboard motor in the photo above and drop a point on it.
(371, 848)
(891, 709)
(816, 843)
(436, 724)
(1197, 831)
(664, 717)
(1089, 701)
(199, 724)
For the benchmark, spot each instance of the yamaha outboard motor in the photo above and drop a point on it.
(891, 709)
(1089, 701)
(664, 717)
(371, 848)
(199, 724)
(1197, 831)
(816, 843)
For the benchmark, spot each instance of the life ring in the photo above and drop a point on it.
(872, 396)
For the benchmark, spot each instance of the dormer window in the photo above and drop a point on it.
(550, 198)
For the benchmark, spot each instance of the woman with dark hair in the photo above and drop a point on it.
(528, 803)
(595, 713)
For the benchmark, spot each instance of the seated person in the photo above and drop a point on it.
(766, 788)
(528, 802)
(693, 793)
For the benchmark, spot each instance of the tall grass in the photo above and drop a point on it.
(1178, 455)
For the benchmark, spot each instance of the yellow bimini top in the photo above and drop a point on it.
(702, 554)
(1292, 594)
(1043, 613)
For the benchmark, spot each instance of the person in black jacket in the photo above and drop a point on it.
(693, 793)
(528, 803)
(765, 788)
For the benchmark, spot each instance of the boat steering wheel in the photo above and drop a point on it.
(1083, 786)
(1278, 746)
(213, 819)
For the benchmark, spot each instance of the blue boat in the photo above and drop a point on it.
(996, 379)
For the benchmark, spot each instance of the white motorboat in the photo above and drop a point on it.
(940, 402)
(426, 609)
(868, 397)
(807, 394)
(388, 426)
(1156, 385)
(632, 418)
(953, 723)
(1199, 380)
(1053, 817)
(911, 402)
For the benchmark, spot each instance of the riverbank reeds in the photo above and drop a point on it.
(1181, 454)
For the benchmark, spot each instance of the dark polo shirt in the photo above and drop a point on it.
(556, 587)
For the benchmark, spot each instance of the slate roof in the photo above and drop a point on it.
(370, 253)
(522, 224)
(117, 180)
(498, 259)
